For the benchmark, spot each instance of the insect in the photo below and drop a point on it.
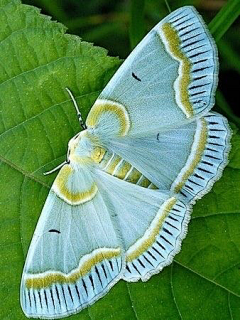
(120, 205)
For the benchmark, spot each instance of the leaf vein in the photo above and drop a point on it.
(229, 306)
(207, 279)
(45, 110)
(131, 300)
(172, 290)
(25, 173)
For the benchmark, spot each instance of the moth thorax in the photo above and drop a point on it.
(80, 148)
(73, 143)
(98, 154)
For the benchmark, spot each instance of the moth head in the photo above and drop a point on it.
(80, 148)
(73, 143)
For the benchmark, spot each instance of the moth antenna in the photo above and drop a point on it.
(82, 124)
(55, 169)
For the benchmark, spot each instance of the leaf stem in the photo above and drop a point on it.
(137, 25)
(167, 5)
(224, 19)
(225, 108)
(229, 54)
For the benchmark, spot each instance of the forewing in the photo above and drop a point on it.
(75, 255)
(169, 79)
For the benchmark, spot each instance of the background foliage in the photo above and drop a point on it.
(37, 62)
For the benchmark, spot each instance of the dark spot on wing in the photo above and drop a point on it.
(136, 77)
(54, 230)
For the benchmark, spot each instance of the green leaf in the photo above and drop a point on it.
(137, 24)
(229, 54)
(224, 108)
(224, 19)
(38, 61)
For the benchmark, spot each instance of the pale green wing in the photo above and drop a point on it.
(186, 161)
(169, 79)
(152, 224)
(75, 255)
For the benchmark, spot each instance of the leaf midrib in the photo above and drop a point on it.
(23, 172)
(46, 110)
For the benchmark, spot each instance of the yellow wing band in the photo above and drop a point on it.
(148, 239)
(61, 188)
(111, 108)
(172, 43)
(198, 147)
(48, 278)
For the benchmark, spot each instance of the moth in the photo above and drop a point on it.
(120, 205)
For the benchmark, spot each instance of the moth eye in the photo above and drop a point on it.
(77, 135)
